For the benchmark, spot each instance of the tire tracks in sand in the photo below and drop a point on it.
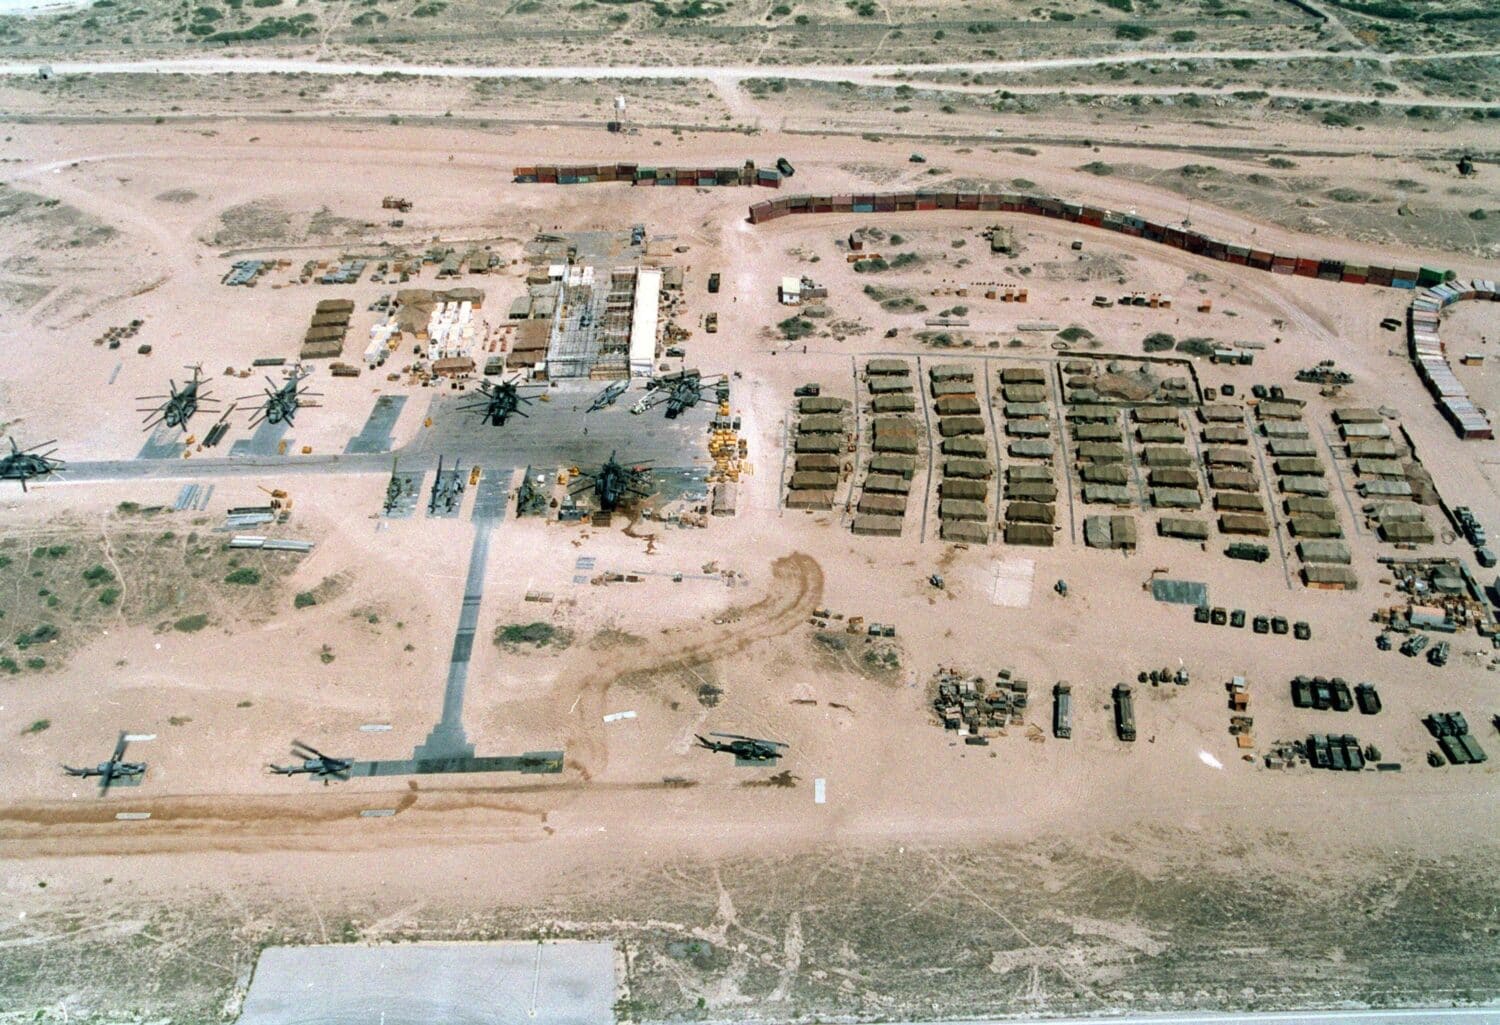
(796, 587)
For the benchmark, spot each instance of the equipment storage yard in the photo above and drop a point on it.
(505, 668)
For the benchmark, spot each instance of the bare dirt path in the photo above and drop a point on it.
(725, 77)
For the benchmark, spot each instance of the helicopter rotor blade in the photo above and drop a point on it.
(305, 747)
(119, 749)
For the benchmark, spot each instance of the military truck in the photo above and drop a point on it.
(1414, 645)
(1062, 711)
(1248, 551)
(1342, 699)
(1124, 712)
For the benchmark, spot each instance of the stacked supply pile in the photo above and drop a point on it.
(451, 330)
(330, 324)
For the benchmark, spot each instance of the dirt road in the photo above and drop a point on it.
(729, 79)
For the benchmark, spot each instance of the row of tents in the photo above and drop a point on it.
(818, 452)
(964, 488)
(1030, 481)
(895, 443)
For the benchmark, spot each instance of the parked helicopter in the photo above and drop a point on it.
(315, 763)
(744, 749)
(24, 464)
(111, 770)
(614, 483)
(282, 401)
(497, 402)
(608, 396)
(178, 407)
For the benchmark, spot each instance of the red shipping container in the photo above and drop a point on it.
(926, 204)
(1283, 264)
(1353, 279)
(1306, 268)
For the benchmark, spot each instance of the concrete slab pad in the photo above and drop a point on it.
(375, 436)
(456, 984)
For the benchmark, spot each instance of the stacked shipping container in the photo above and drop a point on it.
(1430, 358)
(585, 174)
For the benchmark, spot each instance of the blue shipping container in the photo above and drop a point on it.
(864, 208)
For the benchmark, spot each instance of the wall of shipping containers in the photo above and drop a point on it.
(1109, 220)
(1429, 355)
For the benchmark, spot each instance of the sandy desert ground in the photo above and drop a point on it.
(938, 879)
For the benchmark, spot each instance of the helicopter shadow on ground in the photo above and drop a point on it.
(164, 443)
(266, 441)
(375, 435)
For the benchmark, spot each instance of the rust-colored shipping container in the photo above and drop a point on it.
(1261, 259)
(1306, 268)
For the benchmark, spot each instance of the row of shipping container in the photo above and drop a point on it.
(585, 174)
(1097, 217)
(1431, 359)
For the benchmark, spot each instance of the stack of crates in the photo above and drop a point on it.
(726, 448)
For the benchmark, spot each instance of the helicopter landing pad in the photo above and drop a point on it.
(411, 493)
(375, 436)
(492, 494)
